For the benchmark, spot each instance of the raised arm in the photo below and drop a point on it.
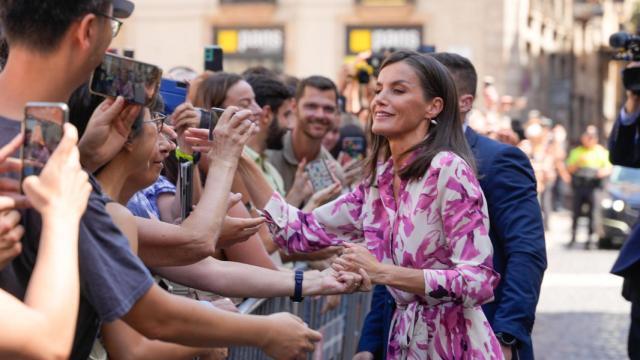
(44, 325)
(183, 118)
(204, 224)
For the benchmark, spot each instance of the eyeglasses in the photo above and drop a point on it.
(158, 120)
(115, 23)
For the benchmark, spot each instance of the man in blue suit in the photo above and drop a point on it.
(624, 150)
(517, 234)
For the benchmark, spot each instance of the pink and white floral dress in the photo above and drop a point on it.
(440, 225)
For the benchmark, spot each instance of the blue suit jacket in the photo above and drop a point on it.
(517, 234)
(624, 150)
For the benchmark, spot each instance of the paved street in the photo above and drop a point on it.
(581, 314)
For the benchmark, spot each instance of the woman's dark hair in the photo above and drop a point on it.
(447, 135)
(212, 91)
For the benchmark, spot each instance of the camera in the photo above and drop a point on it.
(627, 44)
(628, 50)
(370, 65)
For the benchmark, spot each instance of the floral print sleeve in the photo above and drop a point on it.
(465, 226)
(330, 224)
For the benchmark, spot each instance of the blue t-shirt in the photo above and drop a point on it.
(112, 277)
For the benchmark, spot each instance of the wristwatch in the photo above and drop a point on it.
(506, 339)
(297, 291)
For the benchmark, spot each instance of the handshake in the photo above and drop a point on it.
(356, 269)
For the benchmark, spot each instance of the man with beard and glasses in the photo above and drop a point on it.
(277, 105)
(316, 105)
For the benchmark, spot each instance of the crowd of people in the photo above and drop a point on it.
(567, 178)
(394, 184)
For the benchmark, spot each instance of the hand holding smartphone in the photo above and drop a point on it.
(213, 58)
(42, 128)
(209, 119)
(319, 174)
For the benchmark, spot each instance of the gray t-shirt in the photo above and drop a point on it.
(112, 277)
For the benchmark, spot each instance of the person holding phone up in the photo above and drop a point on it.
(44, 324)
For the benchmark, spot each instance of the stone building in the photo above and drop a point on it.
(551, 52)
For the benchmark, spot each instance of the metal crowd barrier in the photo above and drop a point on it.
(340, 327)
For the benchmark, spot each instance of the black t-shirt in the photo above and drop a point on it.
(112, 277)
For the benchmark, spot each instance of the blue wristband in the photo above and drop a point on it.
(297, 292)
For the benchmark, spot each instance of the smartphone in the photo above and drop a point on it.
(354, 147)
(135, 81)
(186, 188)
(319, 175)
(173, 94)
(213, 58)
(209, 119)
(42, 128)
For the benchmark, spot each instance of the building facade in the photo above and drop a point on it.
(305, 37)
(539, 50)
(597, 91)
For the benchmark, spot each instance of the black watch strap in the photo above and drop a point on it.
(297, 291)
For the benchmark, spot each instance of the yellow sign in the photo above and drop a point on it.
(359, 40)
(376, 38)
(228, 41)
(251, 42)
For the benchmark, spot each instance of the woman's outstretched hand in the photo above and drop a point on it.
(331, 282)
(355, 258)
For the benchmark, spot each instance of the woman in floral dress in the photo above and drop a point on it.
(419, 214)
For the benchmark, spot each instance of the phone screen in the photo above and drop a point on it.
(135, 81)
(42, 128)
(319, 175)
(354, 147)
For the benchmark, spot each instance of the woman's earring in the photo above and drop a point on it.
(434, 122)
